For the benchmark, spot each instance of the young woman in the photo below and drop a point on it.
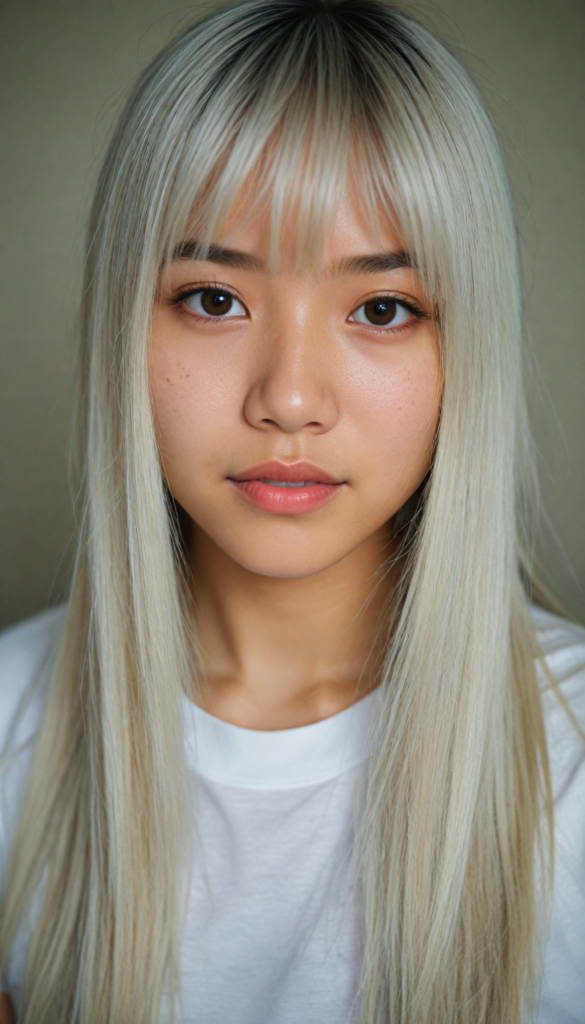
(299, 749)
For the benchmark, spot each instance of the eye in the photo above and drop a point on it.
(382, 311)
(215, 302)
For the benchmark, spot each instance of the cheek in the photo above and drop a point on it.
(398, 407)
(193, 401)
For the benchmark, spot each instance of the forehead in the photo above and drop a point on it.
(348, 233)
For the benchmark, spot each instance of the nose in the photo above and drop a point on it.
(293, 384)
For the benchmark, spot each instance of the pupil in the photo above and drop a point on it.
(380, 311)
(216, 303)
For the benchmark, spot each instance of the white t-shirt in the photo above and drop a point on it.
(271, 927)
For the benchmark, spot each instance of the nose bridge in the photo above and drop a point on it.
(293, 386)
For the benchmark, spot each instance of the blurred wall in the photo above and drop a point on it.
(65, 68)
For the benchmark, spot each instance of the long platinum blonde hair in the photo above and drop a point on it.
(454, 844)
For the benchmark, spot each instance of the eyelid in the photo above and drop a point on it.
(408, 301)
(183, 292)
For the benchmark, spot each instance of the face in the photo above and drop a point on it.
(295, 411)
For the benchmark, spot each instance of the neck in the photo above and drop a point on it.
(279, 652)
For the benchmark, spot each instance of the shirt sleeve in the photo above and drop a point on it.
(563, 988)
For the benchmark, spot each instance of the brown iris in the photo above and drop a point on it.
(380, 311)
(216, 303)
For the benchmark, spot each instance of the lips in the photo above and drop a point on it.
(287, 489)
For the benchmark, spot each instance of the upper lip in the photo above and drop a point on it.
(294, 472)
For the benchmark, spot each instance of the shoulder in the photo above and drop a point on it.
(561, 665)
(562, 644)
(561, 673)
(562, 677)
(26, 655)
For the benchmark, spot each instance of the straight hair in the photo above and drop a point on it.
(300, 97)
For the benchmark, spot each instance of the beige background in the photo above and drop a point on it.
(66, 66)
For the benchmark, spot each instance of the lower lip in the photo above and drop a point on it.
(286, 500)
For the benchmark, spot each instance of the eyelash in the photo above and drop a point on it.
(187, 290)
(413, 307)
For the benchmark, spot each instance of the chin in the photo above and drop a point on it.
(294, 563)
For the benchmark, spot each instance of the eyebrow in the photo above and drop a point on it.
(374, 263)
(377, 263)
(217, 254)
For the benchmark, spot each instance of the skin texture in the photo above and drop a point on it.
(287, 604)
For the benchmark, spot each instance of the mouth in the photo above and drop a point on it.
(286, 489)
